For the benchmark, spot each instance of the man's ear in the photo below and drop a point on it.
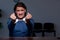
(15, 14)
(25, 13)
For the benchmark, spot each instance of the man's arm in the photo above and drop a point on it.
(30, 26)
(11, 24)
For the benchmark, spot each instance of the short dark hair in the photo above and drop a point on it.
(20, 4)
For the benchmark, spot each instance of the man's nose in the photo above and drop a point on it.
(20, 12)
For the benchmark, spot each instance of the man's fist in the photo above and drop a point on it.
(12, 16)
(28, 16)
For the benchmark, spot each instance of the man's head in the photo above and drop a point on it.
(20, 10)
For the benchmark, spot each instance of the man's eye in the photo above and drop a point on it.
(22, 10)
(18, 10)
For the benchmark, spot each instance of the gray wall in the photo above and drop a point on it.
(42, 11)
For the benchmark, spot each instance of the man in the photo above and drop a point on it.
(20, 23)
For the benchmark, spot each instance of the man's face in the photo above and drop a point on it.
(20, 11)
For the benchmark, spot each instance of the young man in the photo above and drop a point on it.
(20, 23)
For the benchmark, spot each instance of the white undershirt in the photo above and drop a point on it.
(24, 19)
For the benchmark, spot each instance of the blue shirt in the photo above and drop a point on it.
(20, 29)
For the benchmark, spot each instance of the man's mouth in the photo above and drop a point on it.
(20, 14)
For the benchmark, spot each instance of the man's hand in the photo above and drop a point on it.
(12, 16)
(28, 16)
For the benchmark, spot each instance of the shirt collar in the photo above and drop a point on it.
(24, 19)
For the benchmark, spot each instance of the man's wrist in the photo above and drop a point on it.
(12, 20)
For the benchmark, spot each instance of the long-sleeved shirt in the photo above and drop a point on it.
(20, 29)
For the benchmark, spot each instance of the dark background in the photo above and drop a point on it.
(41, 10)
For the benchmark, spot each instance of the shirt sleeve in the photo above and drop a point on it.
(10, 24)
(32, 22)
